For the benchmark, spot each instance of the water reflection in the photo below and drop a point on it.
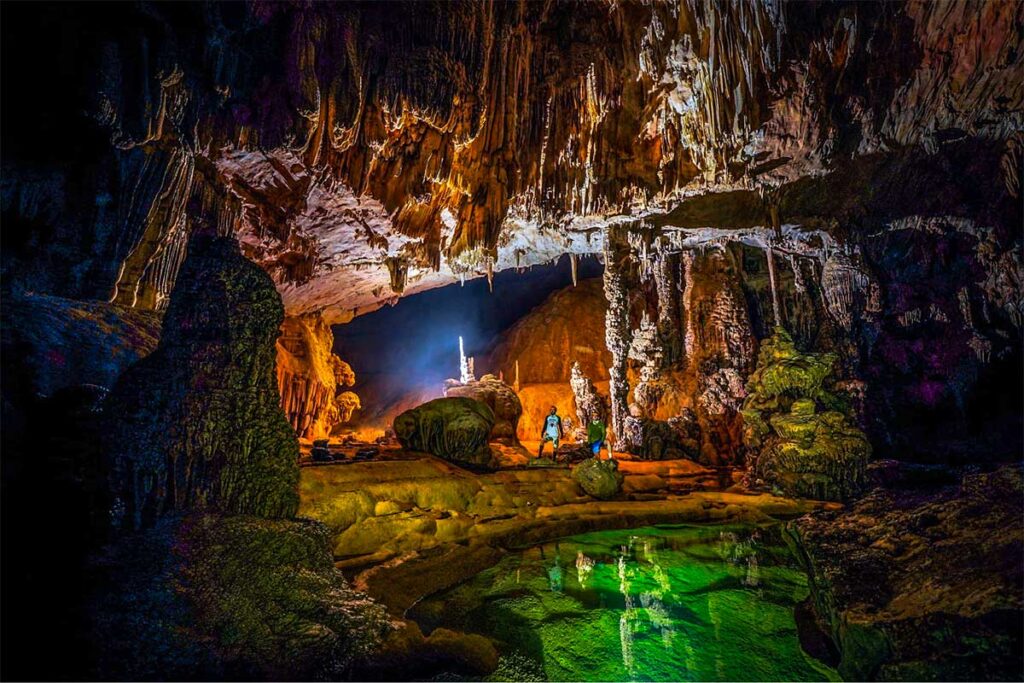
(676, 603)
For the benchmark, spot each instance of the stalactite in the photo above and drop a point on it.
(398, 271)
(776, 308)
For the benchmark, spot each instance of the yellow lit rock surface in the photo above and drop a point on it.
(412, 524)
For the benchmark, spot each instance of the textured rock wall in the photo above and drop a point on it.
(198, 424)
(567, 327)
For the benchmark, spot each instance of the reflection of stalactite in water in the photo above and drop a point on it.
(584, 567)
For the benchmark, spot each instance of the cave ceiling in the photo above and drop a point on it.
(362, 151)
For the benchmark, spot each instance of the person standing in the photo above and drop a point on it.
(551, 431)
(596, 433)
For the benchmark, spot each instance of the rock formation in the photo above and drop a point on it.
(312, 379)
(590, 405)
(229, 597)
(198, 423)
(791, 445)
(567, 328)
(598, 478)
(456, 429)
(918, 582)
(499, 397)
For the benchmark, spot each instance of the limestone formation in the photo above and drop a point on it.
(312, 379)
(617, 333)
(792, 445)
(198, 423)
(499, 397)
(590, 405)
(567, 328)
(230, 596)
(456, 429)
(921, 582)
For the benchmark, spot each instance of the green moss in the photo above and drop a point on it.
(214, 597)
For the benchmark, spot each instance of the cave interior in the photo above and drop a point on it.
(596, 340)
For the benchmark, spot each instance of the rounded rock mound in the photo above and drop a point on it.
(598, 478)
(456, 429)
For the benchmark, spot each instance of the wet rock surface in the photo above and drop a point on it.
(456, 429)
(922, 583)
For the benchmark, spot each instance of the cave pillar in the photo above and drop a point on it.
(668, 306)
(617, 333)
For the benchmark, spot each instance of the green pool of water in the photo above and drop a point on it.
(679, 603)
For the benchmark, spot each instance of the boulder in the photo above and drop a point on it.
(454, 428)
(598, 478)
(500, 398)
(198, 424)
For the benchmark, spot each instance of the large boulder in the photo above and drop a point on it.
(198, 423)
(598, 478)
(455, 428)
(793, 446)
(500, 398)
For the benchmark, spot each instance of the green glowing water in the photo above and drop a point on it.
(687, 603)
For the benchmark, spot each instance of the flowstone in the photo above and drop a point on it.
(455, 428)
(792, 445)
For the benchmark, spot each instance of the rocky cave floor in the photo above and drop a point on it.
(920, 579)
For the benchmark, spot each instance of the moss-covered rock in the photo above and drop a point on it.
(598, 478)
(791, 444)
(198, 423)
(238, 597)
(456, 429)
(500, 398)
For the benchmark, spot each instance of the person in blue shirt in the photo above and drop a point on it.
(551, 431)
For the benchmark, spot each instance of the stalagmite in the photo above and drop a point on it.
(668, 306)
(465, 365)
(516, 384)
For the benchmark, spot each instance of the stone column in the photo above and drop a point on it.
(617, 333)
